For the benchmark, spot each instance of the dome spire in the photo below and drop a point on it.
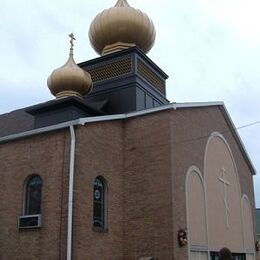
(122, 3)
(72, 38)
(121, 27)
(70, 79)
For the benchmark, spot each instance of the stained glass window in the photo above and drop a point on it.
(33, 195)
(99, 200)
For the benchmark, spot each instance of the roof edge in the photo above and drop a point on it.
(238, 139)
(175, 106)
(82, 121)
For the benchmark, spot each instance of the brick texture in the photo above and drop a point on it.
(43, 155)
(144, 161)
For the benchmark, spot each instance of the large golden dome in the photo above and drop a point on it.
(121, 27)
(70, 79)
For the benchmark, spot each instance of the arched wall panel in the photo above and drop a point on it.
(248, 232)
(223, 196)
(196, 210)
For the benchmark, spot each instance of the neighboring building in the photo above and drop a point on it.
(257, 233)
(117, 172)
(258, 225)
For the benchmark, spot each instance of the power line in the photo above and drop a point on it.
(203, 136)
(250, 124)
(223, 132)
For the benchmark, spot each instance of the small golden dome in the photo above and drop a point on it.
(121, 27)
(70, 79)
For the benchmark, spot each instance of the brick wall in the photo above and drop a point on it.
(98, 153)
(43, 155)
(144, 161)
(147, 188)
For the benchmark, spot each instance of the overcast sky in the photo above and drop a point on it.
(210, 50)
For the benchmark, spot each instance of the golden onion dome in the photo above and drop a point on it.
(70, 79)
(121, 27)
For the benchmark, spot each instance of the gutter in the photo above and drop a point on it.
(174, 106)
(70, 195)
(83, 121)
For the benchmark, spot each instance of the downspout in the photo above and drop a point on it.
(70, 195)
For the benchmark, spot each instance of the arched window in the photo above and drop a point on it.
(33, 194)
(99, 203)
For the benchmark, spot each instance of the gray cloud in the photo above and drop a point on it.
(202, 45)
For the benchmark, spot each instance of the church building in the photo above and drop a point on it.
(111, 170)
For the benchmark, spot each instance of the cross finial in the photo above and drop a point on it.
(122, 3)
(72, 38)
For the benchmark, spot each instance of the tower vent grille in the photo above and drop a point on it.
(110, 70)
(150, 76)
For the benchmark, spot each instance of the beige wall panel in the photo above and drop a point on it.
(250, 257)
(223, 199)
(247, 225)
(198, 256)
(197, 226)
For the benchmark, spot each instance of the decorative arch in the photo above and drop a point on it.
(223, 195)
(196, 214)
(223, 139)
(248, 232)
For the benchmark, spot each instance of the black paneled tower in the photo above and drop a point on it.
(126, 81)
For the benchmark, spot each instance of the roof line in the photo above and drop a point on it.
(84, 120)
(238, 139)
(175, 106)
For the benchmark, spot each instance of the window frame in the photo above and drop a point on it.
(25, 209)
(104, 228)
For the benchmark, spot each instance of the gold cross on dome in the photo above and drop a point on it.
(72, 38)
(122, 3)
